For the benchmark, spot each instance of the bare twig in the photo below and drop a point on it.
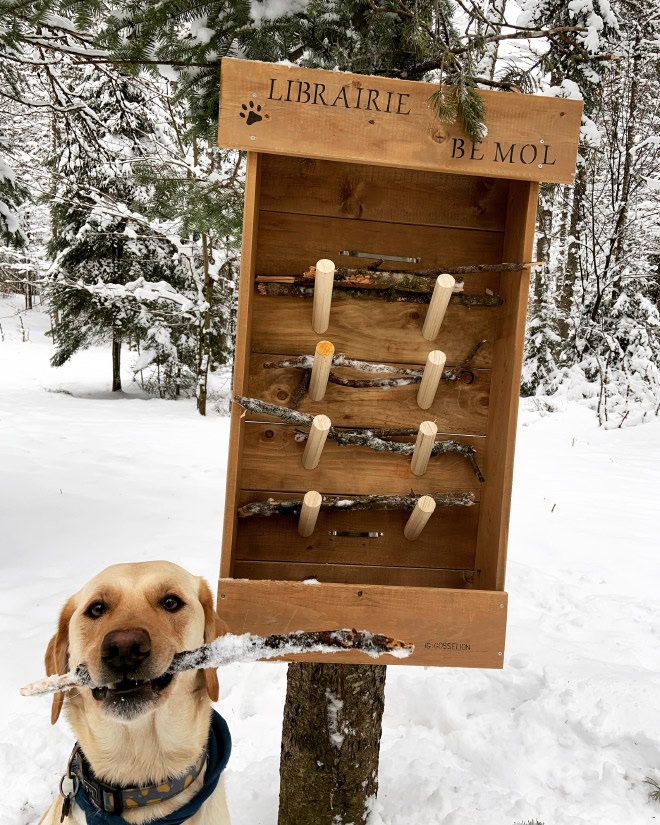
(290, 290)
(301, 389)
(471, 355)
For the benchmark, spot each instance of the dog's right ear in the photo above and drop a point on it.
(57, 655)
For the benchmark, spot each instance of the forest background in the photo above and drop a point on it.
(120, 212)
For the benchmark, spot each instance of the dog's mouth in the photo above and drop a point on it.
(141, 688)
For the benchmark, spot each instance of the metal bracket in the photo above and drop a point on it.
(356, 534)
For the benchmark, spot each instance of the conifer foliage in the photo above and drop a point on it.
(146, 222)
(104, 250)
(131, 264)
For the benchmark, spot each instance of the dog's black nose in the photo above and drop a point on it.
(124, 650)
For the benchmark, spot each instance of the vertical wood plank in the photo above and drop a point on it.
(242, 355)
(505, 390)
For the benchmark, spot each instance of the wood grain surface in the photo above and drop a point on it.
(271, 108)
(373, 330)
(449, 627)
(505, 392)
(378, 193)
(242, 353)
(352, 573)
(272, 460)
(447, 541)
(289, 244)
(458, 407)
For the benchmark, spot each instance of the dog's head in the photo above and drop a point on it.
(125, 625)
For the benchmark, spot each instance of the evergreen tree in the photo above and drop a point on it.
(572, 71)
(147, 232)
(103, 246)
(415, 39)
(540, 371)
(12, 191)
(12, 194)
(612, 353)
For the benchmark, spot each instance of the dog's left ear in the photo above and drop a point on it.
(57, 655)
(211, 631)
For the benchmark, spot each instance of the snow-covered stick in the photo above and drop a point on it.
(305, 362)
(359, 438)
(367, 438)
(53, 684)
(255, 405)
(230, 649)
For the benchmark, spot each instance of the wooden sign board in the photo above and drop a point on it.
(288, 110)
(324, 182)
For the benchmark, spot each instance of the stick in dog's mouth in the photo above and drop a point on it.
(99, 692)
(228, 649)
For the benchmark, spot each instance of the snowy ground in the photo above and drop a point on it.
(566, 733)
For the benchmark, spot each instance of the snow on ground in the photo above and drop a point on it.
(566, 733)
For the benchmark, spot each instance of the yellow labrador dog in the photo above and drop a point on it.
(147, 743)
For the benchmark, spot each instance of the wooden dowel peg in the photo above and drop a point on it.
(325, 276)
(318, 433)
(423, 446)
(435, 363)
(321, 370)
(418, 518)
(442, 292)
(309, 512)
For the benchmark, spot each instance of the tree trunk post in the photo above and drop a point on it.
(205, 333)
(116, 362)
(565, 298)
(330, 743)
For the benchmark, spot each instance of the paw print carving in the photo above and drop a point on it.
(251, 113)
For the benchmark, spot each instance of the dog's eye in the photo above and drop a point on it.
(95, 610)
(172, 603)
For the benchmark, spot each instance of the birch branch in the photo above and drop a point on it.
(255, 405)
(228, 649)
(291, 507)
(375, 442)
(361, 439)
(305, 362)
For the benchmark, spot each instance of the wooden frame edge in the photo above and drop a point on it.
(450, 628)
(242, 355)
(493, 531)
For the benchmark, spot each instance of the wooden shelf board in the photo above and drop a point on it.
(449, 627)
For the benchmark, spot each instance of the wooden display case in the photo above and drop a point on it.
(338, 175)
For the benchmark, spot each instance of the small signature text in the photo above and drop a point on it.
(447, 646)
